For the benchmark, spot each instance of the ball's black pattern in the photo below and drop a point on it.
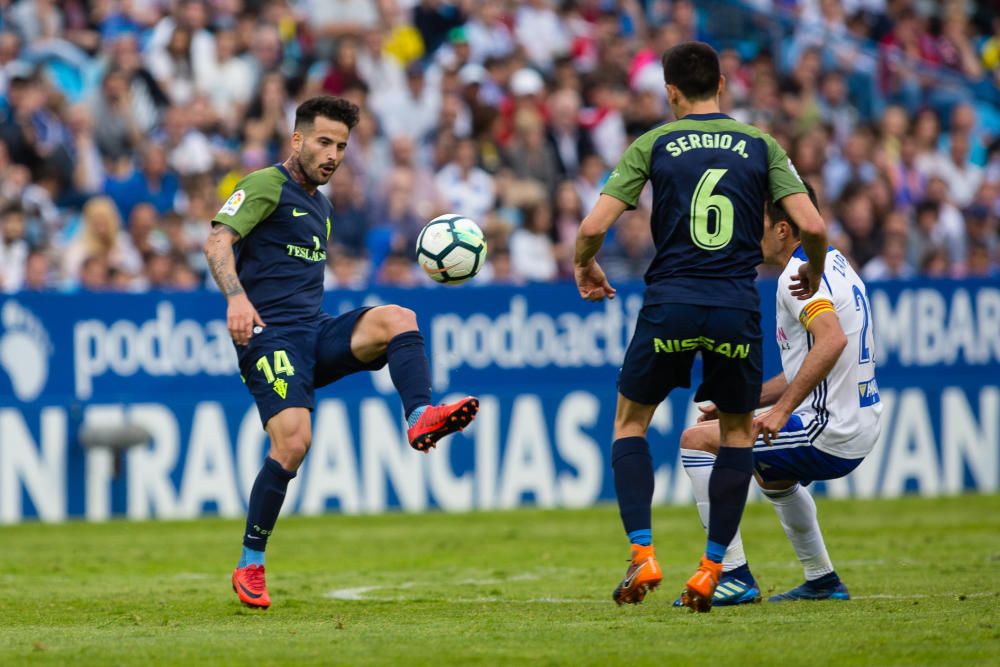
(438, 258)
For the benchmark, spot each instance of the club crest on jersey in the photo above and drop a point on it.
(281, 388)
(233, 204)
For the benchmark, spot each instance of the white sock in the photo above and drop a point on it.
(698, 466)
(797, 511)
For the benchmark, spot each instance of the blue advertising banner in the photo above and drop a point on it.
(543, 362)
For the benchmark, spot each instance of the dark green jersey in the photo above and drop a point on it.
(281, 254)
(710, 177)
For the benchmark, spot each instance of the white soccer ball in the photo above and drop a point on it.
(451, 249)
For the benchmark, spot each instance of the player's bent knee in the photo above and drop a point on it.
(290, 450)
(291, 435)
(694, 438)
(774, 486)
(399, 320)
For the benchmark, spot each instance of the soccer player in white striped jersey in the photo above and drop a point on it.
(824, 417)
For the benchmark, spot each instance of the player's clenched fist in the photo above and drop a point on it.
(241, 317)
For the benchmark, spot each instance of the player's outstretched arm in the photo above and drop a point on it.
(812, 230)
(830, 341)
(241, 316)
(590, 279)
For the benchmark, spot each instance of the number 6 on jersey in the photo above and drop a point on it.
(704, 203)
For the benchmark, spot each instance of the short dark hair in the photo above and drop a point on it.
(777, 213)
(694, 68)
(924, 207)
(327, 106)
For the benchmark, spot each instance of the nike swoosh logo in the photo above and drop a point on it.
(630, 578)
(250, 594)
(254, 537)
(298, 214)
(447, 268)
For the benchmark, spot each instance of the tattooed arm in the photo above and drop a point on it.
(241, 316)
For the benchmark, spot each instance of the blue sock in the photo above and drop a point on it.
(828, 580)
(414, 416)
(251, 557)
(641, 537)
(266, 497)
(743, 574)
(715, 551)
(727, 493)
(633, 468)
(410, 371)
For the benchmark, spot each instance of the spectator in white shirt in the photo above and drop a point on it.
(463, 187)
(227, 79)
(961, 175)
(890, 263)
(172, 67)
(532, 251)
(410, 110)
(336, 18)
(540, 32)
(13, 249)
(488, 35)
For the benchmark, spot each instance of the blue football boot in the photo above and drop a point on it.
(827, 587)
(735, 587)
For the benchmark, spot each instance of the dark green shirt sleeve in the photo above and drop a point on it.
(629, 177)
(781, 175)
(254, 199)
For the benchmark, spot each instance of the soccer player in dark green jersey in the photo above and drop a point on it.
(710, 175)
(267, 252)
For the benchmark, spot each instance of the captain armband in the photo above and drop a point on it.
(813, 309)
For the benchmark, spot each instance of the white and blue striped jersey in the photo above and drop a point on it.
(842, 415)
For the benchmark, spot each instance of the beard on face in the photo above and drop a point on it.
(313, 169)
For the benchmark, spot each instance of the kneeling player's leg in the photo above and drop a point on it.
(797, 512)
(291, 433)
(392, 331)
(699, 447)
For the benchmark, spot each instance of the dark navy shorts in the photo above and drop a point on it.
(283, 365)
(792, 457)
(667, 337)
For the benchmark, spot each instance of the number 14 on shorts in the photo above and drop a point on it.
(281, 367)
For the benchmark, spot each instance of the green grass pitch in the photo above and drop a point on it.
(524, 587)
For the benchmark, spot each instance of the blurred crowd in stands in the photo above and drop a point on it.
(126, 124)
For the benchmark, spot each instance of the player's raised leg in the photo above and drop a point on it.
(291, 434)
(392, 331)
(633, 471)
(797, 511)
(699, 446)
(727, 492)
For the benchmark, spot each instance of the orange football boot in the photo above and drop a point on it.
(701, 586)
(438, 421)
(248, 583)
(643, 575)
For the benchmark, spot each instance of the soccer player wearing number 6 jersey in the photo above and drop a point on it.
(711, 176)
(824, 417)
